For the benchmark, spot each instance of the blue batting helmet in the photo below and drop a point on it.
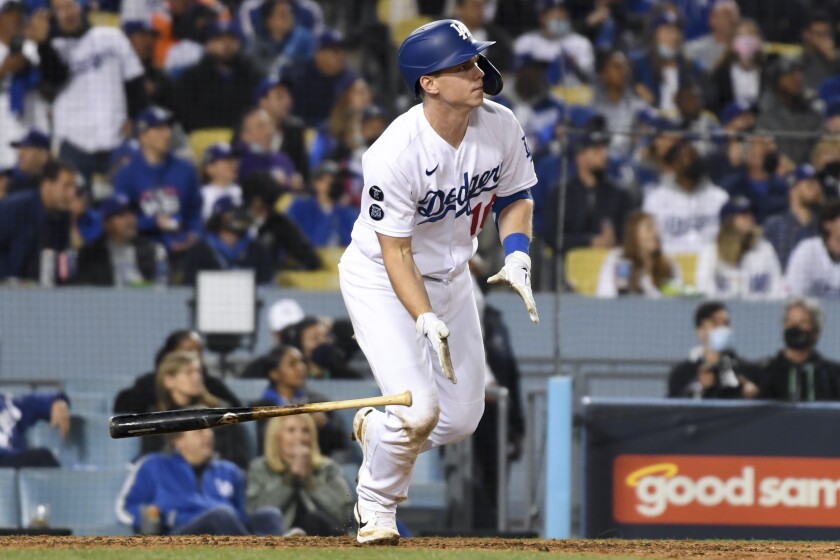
(442, 44)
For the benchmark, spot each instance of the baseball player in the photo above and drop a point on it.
(430, 183)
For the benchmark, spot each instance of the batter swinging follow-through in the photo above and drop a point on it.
(431, 181)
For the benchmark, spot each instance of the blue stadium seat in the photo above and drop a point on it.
(81, 500)
(9, 503)
(247, 389)
(89, 443)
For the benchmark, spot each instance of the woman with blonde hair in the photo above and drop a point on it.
(639, 266)
(294, 476)
(740, 263)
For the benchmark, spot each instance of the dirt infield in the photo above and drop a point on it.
(642, 549)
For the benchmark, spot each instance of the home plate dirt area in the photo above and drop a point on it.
(438, 547)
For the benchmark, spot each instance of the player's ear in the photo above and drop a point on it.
(428, 84)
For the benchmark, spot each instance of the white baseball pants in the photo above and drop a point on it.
(403, 360)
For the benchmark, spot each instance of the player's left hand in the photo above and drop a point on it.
(517, 274)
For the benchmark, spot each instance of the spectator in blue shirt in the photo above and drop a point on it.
(36, 220)
(164, 188)
(317, 84)
(17, 414)
(33, 154)
(228, 245)
(805, 198)
(278, 42)
(192, 492)
(324, 217)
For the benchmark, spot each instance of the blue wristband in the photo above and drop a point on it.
(516, 242)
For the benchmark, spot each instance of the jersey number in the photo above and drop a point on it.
(478, 218)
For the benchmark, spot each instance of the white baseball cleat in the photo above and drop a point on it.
(376, 528)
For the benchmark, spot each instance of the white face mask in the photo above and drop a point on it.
(720, 339)
(558, 27)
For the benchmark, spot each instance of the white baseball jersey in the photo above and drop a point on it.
(417, 185)
(13, 126)
(812, 272)
(91, 107)
(686, 221)
(758, 275)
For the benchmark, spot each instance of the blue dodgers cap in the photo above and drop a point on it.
(374, 112)
(330, 39)
(224, 204)
(665, 18)
(220, 28)
(114, 205)
(735, 110)
(215, 152)
(801, 173)
(138, 26)
(269, 84)
(33, 139)
(153, 117)
(737, 205)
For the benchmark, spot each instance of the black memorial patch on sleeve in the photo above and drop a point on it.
(376, 212)
(376, 193)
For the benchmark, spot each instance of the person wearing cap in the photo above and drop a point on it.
(325, 218)
(120, 257)
(274, 95)
(758, 178)
(615, 99)
(34, 221)
(158, 84)
(278, 42)
(814, 266)
(784, 231)
(820, 59)
(686, 205)
(659, 70)
(708, 49)
(595, 207)
(231, 74)
(162, 187)
(318, 84)
(21, 105)
(739, 262)
(219, 169)
(257, 152)
(570, 56)
(739, 117)
(787, 106)
(98, 81)
(228, 245)
(33, 153)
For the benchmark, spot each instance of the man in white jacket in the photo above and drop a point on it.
(814, 266)
(686, 205)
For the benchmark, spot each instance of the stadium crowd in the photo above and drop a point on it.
(142, 145)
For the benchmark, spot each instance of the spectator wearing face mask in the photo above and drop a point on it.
(739, 263)
(570, 56)
(741, 74)
(805, 198)
(757, 180)
(814, 266)
(595, 208)
(713, 370)
(228, 245)
(659, 70)
(324, 217)
(686, 205)
(798, 372)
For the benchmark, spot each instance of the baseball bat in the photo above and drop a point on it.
(166, 422)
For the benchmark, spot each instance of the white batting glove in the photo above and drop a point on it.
(517, 274)
(437, 333)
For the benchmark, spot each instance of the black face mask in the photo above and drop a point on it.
(770, 163)
(798, 339)
(695, 171)
(599, 174)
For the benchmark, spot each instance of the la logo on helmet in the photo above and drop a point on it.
(461, 29)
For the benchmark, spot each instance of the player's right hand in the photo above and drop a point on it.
(437, 333)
